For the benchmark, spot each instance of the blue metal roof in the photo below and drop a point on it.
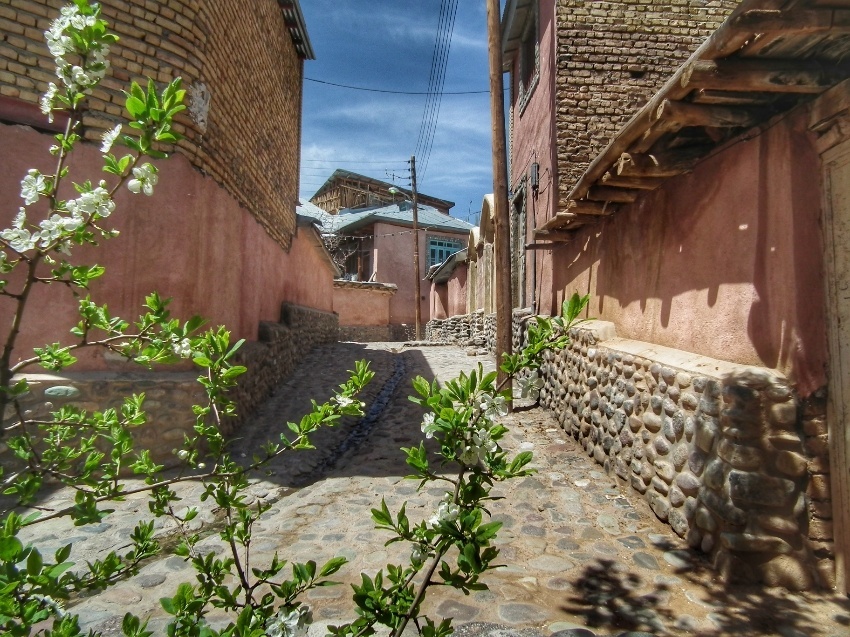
(400, 215)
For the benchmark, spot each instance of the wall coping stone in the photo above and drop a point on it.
(371, 286)
(605, 333)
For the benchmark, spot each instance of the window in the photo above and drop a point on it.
(441, 248)
(529, 58)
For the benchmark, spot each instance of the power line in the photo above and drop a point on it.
(439, 63)
(382, 90)
(358, 161)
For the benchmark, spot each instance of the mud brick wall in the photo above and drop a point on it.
(611, 58)
(170, 395)
(240, 55)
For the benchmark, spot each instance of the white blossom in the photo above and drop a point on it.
(47, 101)
(145, 179)
(20, 218)
(292, 623)
(418, 554)
(55, 606)
(109, 138)
(343, 401)
(493, 406)
(182, 348)
(19, 239)
(478, 445)
(32, 186)
(51, 229)
(448, 511)
(96, 202)
(530, 387)
(429, 427)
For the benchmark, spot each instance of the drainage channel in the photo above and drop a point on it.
(363, 427)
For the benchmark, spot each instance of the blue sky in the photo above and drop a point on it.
(388, 44)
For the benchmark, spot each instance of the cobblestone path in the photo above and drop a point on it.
(583, 556)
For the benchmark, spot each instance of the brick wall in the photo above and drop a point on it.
(611, 58)
(240, 54)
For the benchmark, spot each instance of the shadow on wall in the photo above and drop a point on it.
(729, 254)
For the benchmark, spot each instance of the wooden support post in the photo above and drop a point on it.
(504, 314)
(418, 275)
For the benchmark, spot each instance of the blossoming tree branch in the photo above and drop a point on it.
(90, 453)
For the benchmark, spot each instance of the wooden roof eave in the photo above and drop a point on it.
(721, 99)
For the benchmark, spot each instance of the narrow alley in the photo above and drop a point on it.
(582, 556)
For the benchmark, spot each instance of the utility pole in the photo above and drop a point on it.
(417, 289)
(500, 188)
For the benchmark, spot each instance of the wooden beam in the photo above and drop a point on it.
(762, 75)
(635, 183)
(795, 21)
(832, 103)
(730, 98)
(683, 114)
(592, 208)
(611, 193)
(658, 165)
(558, 221)
(724, 41)
(555, 235)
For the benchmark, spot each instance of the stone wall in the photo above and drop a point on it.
(611, 58)
(171, 394)
(376, 333)
(727, 455)
(476, 329)
(246, 135)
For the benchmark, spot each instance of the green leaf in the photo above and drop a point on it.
(135, 107)
(10, 548)
(332, 566)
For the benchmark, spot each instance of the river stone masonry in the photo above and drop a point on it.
(169, 394)
(728, 455)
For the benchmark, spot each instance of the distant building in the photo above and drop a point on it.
(376, 244)
(347, 190)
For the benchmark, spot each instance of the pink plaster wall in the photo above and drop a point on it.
(439, 301)
(724, 262)
(534, 139)
(457, 290)
(449, 298)
(393, 251)
(361, 307)
(191, 241)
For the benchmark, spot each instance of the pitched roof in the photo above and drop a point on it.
(339, 173)
(442, 272)
(399, 215)
(294, 19)
(323, 219)
(764, 60)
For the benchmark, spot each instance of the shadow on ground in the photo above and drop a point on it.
(609, 595)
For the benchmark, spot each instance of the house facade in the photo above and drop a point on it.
(379, 248)
(577, 71)
(700, 198)
(220, 237)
